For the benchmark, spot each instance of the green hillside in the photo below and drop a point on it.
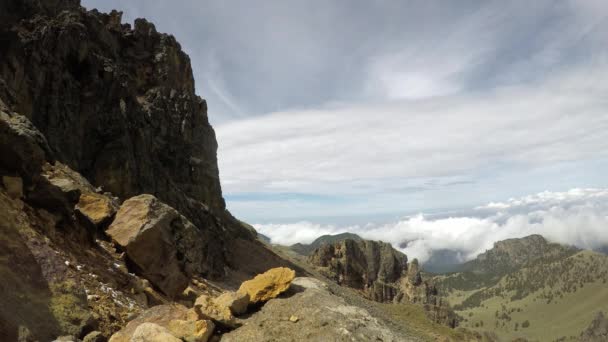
(549, 299)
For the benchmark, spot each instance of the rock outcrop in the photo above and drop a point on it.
(370, 266)
(382, 274)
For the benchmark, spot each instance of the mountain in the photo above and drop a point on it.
(324, 239)
(529, 288)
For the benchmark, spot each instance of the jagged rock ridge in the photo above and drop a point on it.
(381, 273)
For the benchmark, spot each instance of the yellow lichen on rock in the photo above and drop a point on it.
(192, 331)
(206, 308)
(96, 208)
(268, 285)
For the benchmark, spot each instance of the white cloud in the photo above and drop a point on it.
(367, 148)
(578, 217)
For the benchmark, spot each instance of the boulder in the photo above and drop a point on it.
(160, 315)
(192, 331)
(97, 209)
(268, 285)
(237, 302)
(150, 332)
(160, 243)
(206, 308)
(13, 186)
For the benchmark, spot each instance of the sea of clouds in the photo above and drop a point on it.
(576, 217)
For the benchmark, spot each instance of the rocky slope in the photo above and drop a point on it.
(109, 196)
(117, 104)
(381, 273)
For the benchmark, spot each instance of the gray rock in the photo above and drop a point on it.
(161, 244)
(321, 316)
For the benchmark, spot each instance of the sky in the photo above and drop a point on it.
(383, 116)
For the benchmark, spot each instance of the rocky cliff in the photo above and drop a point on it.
(381, 273)
(110, 196)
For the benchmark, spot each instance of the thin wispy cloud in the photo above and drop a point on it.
(394, 107)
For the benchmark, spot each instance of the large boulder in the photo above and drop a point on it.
(160, 244)
(268, 285)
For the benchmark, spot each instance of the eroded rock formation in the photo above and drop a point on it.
(382, 274)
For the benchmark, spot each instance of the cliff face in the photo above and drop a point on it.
(92, 113)
(115, 103)
(370, 266)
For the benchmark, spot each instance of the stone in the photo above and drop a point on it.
(206, 308)
(237, 302)
(268, 285)
(192, 331)
(293, 319)
(160, 315)
(94, 336)
(96, 208)
(160, 243)
(13, 186)
(150, 332)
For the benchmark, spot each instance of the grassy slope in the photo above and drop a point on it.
(567, 295)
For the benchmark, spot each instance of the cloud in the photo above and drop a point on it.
(373, 148)
(576, 217)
